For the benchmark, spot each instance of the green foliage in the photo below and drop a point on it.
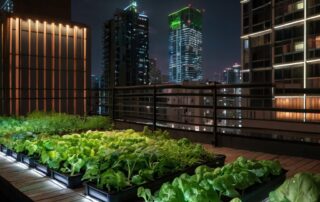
(112, 159)
(52, 124)
(301, 187)
(210, 184)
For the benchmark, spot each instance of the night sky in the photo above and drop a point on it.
(221, 30)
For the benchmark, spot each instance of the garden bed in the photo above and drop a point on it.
(130, 194)
(259, 192)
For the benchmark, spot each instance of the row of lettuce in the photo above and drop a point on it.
(215, 184)
(51, 123)
(231, 181)
(114, 160)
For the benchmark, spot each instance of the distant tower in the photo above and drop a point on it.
(126, 48)
(185, 45)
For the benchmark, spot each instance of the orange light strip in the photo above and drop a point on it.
(37, 65)
(75, 35)
(29, 66)
(59, 70)
(10, 64)
(67, 68)
(45, 67)
(17, 68)
(85, 69)
(53, 67)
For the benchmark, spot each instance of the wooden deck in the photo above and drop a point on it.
(36, 186)
(292, 164)
(40, 188)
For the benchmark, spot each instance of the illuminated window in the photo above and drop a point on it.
(298, 46)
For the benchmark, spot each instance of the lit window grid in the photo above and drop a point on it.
(180, 59)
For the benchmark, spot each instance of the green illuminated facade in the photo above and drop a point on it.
(185, 45)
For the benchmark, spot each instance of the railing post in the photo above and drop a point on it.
(154, 108)
(215, 105)
(113, 103)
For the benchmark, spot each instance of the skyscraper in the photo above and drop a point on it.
(126, 48)
(155, 74)
(281, 45)
(45, 61)
(185, 45)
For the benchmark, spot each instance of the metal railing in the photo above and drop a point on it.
(215, 109)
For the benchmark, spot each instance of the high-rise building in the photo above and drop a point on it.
(45, 61)
(126, 48)
(185, 45)
(155, 76)
(232, 75)
(281, 45)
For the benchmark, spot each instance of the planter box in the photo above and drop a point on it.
(29, 161)
(70, 181)
(259, 192)
(42, 168)
(17, 156)
(130, 194)
(5, 150)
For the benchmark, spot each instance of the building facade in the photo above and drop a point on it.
(280, 45)
(155, 75)
(185, 45)
(45, 64)
(126, 48)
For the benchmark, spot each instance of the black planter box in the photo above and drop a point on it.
(29, 161)
(16, 155)
(5, 150)
(259, 192)
(130, 194)
(42, 168)
(70, 181)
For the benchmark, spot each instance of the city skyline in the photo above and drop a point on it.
(214, 39)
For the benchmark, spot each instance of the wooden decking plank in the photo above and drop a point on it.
(62, 197)
(49, 194)
(22, 184)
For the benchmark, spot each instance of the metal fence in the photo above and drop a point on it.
(215, 109)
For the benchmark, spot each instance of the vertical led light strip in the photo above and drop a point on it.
(53, 67)
(75, 35)
(17, 68)
(305, 56)
(37, 65)
(85, 69)
(10, 65)
(67, 69)
(45, 66)
(29, 66)
(59, 69)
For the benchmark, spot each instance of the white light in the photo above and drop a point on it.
(21, 165)
(40, 174)
(288, 64)
(91, 199)
(289, 24)
(58, 184)
(313, 61)
(256, 33)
